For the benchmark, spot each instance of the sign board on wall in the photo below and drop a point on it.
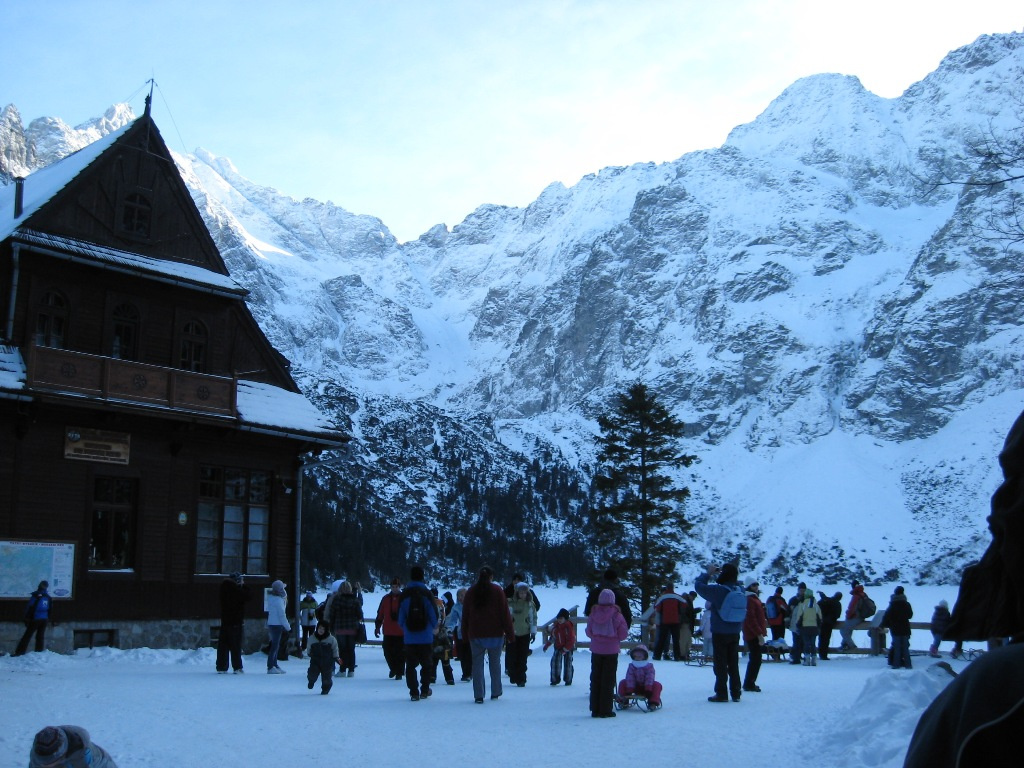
(97, 445)
(23, 564)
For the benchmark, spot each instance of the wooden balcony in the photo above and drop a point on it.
(107, 378)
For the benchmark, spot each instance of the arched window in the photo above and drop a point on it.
(51, 320)
(125, 341)
(136, 214)
(193, 346)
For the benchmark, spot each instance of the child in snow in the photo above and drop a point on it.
(67, 745)
(323, 654)
(940, 620)
(563, 637)
(640, 678)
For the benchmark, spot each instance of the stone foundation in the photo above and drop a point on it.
(186, 634)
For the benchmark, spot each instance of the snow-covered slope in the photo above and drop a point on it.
(844, 346)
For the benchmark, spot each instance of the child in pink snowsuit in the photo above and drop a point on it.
(640, 677)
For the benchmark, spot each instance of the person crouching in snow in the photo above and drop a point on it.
(563, 637)
(323, 655)
(67, 745)
(640, 678)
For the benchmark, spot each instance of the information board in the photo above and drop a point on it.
(23, 564)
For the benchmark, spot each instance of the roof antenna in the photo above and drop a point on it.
(149, 98)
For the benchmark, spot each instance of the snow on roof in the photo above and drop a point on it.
(281, 410)
(259, 405)
(12, 368)
(41, 186)
(176, 271)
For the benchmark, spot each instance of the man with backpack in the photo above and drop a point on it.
(854, 615)
(417, 616)
(728, 602)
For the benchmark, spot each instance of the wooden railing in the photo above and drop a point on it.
(108, 378)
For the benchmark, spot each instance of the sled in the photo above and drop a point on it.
(635, 700)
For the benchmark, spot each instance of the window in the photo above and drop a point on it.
(193, 347)
(136, 215)
(233, 530)
(51, 320)
(125, 343)
(112, 537)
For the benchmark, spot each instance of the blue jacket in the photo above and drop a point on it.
(38, 608)
(424, 636)
(716, 594)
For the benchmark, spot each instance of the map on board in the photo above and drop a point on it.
(23, 564)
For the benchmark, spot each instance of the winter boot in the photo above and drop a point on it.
(807, 660)
(814, 659)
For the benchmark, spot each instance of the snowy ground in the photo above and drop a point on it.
(161, 708)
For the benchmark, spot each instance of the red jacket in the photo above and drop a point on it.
(858, 593)
(387, 615)
(671, 608)
(563, 636)
(755, 626)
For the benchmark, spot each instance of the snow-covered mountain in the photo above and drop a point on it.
(844, 344)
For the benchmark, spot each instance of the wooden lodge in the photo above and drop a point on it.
(150, 435)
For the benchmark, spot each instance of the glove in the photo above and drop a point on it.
(376, 633)
(533, 637)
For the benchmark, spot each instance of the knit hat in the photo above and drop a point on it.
(755, 588)
(607, 597)
(278, 587)
(898, 591)
(50, 742)
(640, 649)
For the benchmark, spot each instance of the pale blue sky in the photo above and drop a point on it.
(417, 111)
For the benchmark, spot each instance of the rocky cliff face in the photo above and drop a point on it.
(798, 296)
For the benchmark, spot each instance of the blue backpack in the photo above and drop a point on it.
(734, 606)
(771, 609)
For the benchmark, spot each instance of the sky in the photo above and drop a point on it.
(151, 707)
(418, 112)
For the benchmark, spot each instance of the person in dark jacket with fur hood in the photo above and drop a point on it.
(976, 720)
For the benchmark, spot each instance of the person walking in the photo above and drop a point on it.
(393, 643)
(486, 625)
(728, 611)
(755, 632)
(417, 615)
(233, 597)
(344, 618)
(563, 637)
(606, 628)
(277, 624)
(37, 616)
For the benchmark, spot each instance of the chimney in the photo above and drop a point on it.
(19, 195)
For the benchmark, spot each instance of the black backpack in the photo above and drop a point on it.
(416, 615)
(866, 607)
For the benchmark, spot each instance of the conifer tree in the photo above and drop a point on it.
(638, 511)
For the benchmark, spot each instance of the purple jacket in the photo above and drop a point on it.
(640, 678)
(606, 627)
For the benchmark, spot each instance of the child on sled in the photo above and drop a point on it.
(640, 678)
